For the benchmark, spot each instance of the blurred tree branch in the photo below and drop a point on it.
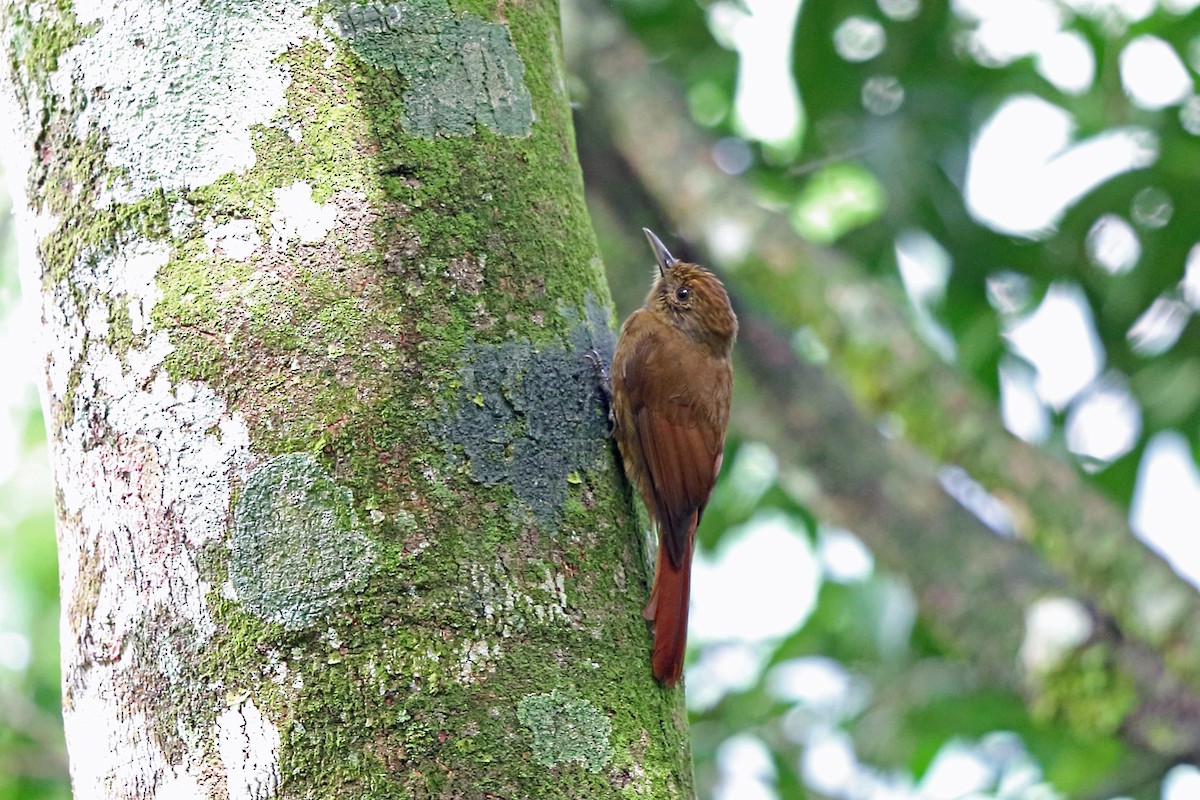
(974, 586)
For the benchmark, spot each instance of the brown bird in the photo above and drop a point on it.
(671, 383)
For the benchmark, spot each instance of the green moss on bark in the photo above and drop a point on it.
(36, 40)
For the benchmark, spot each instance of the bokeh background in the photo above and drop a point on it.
(32, 754)
(1021, 176)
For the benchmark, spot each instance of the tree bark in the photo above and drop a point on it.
(1136, 669)
(336, 510)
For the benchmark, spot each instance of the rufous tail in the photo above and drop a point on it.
(668, 610)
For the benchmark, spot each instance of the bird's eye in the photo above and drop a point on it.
(682, 293)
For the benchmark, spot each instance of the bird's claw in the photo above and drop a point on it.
(592, 356)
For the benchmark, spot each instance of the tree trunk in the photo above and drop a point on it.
(337, 513)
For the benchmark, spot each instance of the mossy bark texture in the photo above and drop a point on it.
(337, 513)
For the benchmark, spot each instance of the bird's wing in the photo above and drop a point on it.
(681, 435)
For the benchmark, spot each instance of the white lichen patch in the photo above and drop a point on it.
(298, 217)
(145, 498)
(113, 746)
(144, 469)
(555, 587)
(248, 744)
(275, 669)
(143, 465)
(236, 239)
(182, 786)
(477, 660)
(180, 218)
(1054, 628)
(174, 87)
(505, 608)
(62, 332)
(97, 730)
(128, 276)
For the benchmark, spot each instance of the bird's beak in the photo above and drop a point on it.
(661, 253)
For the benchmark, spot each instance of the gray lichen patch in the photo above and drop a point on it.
(566, 730)
(298, 546)
(460, 70)
(531, 416)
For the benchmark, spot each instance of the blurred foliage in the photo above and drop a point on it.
(882, 153)
(32, 756)
(905, 700)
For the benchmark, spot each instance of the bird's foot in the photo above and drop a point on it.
(604, 382)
